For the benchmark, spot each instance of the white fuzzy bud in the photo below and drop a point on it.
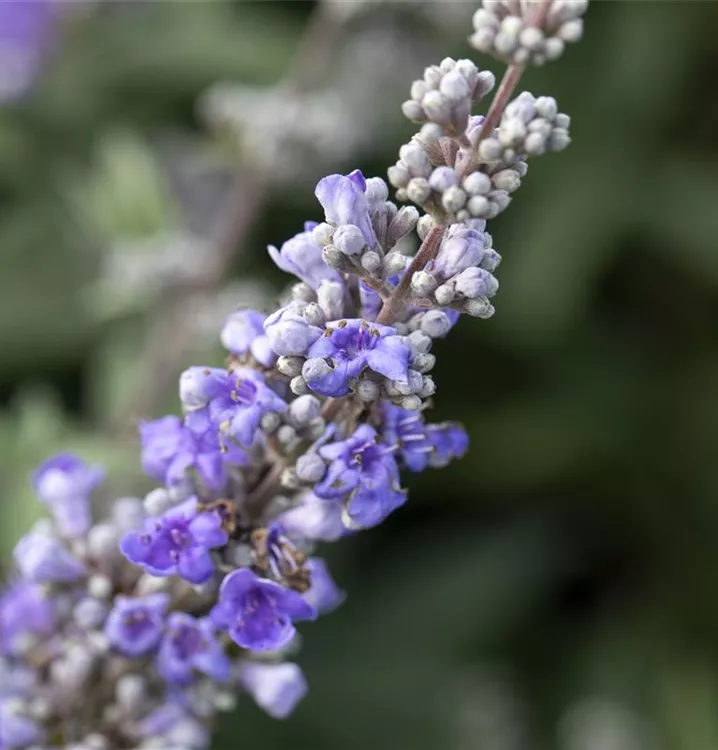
(130, 693)
(423, 283)
(270, 422)
(99, 587)
(304, 409)
(444, 295)
(310, 468)
(371, 261)
(367, 390)
(298, 386)
(314, 315)
(330, 296)
(157, 502)
(435, 323)
(290, 366)
(418, 190)
(349, 239)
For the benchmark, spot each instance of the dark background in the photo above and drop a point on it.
(558, 588)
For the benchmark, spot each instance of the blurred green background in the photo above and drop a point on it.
(558, 588)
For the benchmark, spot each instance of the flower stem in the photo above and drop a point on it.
(508, 83)
(395, 304)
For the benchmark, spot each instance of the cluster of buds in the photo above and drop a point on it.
(446, 94)
(508, 29)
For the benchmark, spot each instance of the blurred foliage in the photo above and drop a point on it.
(572, 552)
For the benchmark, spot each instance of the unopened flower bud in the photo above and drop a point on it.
(290, 366)
(435, 324)
(303, 409)
(310, 468)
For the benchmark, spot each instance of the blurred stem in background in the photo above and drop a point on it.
(166, 347)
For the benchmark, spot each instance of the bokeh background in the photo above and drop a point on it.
(558, 588)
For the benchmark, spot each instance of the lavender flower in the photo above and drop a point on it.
(243, 333)
(365, 473)
(25, 611)
(302, 257)
(178, 543)
(189, 646)
(16, 731)
(42, 559)
(64, 483)
(170, 450)
(323, 594)
(289, 333)
(235, 403)
(277, 688)
(344, 200)
(134, 626)
(259, 614)
(350, 346)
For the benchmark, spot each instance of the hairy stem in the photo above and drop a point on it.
(392, 308)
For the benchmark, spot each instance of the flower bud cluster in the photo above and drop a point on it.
(362, 228)
(529, 126)
(460, 277)
(519, 33)
(446, 94)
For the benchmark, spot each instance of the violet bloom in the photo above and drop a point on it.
(26, 29)
(323, 594)
(173, 726)
(344, 200)
(134, 625)
(44, 559)
(243, 332)
(448, 440)
(64, 483)
(277, 688)
(177, 543)
(25, 610)
(350, 346)
(364, 470)
(302, 257)
(237, 401)
(419, 444)
(170, 450)
(258, 613)
(315, 519)
(190, 646)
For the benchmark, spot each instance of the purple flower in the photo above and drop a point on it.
(407, 431)
(189, 646)
(24, 610)
(448, 441)
(461, 248)
(344, 200)
(236, 402)
(25, 31)
(173, 726)
(243, 332)
(302, 257)
(349, 347)
(170, 449)
(134, 625)
(289, 333)
(16, 731)
(323, 594)
(64, 483)
(277, 688)
(177, 543)
(43, 559)
(315, 519)
(364, 470)
(258, 613)
(421, 445)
